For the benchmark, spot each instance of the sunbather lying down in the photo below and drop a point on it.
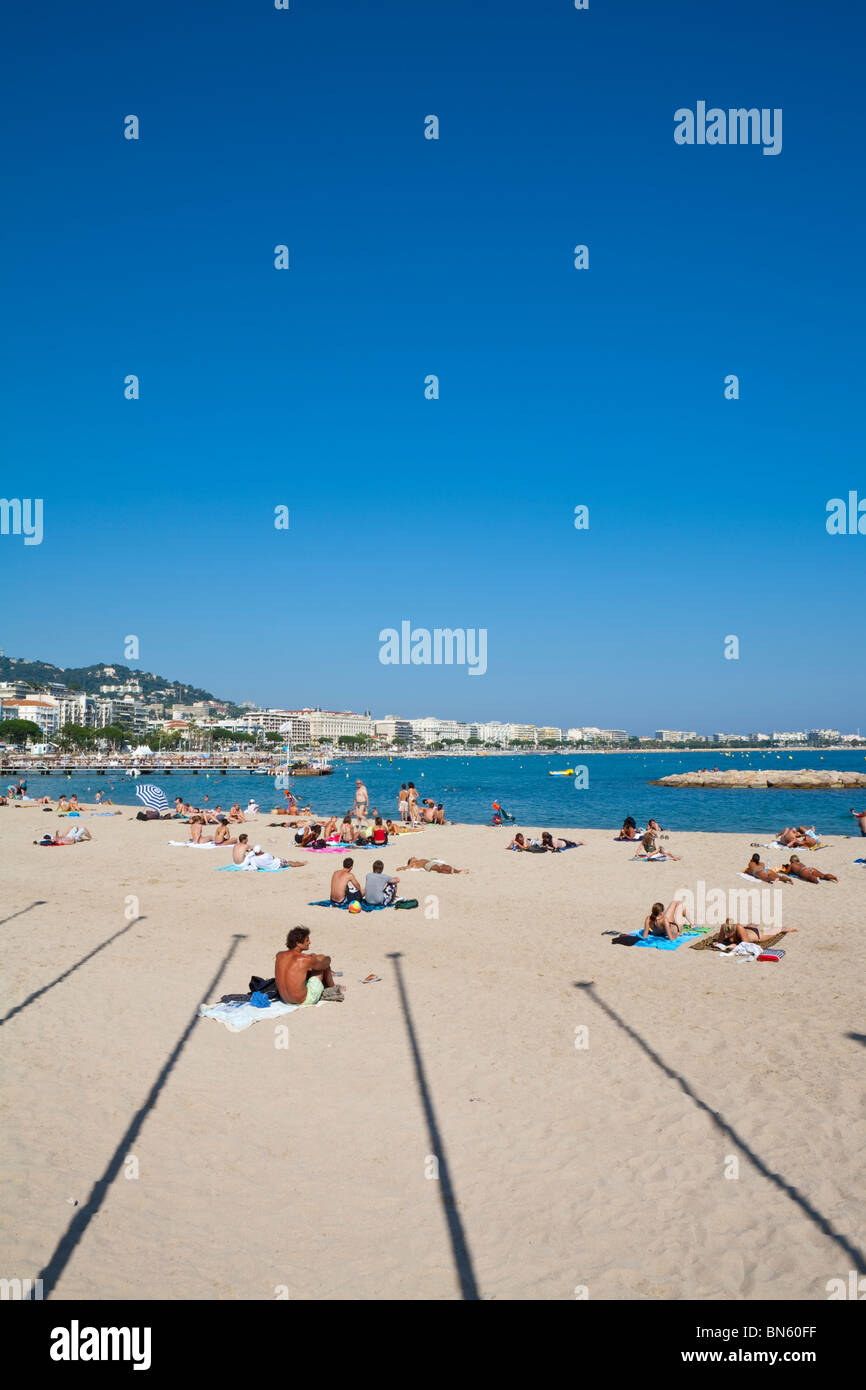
(76, 836)
(732, 933)
(798, 869)
(798, 837)
(433, 866)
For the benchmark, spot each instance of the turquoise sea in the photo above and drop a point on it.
(618, 786)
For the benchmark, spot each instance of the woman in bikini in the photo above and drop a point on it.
(756, 869)
(732, 933)
(667, 921)
(796, 867)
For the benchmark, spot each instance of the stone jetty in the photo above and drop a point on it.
(807, 777)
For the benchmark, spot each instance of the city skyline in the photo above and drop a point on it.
(124, 702)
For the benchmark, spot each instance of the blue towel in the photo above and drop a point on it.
(365, 907)
(661, 943)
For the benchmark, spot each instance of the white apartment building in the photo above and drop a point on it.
(431, 730)
(798, 737)
(493, 732)
(525, 733)
(308, 725)
(394, 730)
(674, 735)
(547, 732)
(832, 735)
(42, 712)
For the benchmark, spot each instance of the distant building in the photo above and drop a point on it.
(41, 712)
(393, 730)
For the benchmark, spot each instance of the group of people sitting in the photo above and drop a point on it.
(548, 844)
(349, 831)
(380, 889)
(416, 810)
(630, 830)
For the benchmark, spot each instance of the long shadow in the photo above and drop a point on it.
(462, 1257)
(82, 1219)
(40, 902)
(857, 1037)
(778, 1181)
(37, 994)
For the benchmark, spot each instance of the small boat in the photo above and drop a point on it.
(567, 772)
(319, 768)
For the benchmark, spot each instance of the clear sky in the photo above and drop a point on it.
(409, 256)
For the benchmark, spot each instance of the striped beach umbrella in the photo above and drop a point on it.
(152, 796)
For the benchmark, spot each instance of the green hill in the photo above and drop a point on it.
(90, 678)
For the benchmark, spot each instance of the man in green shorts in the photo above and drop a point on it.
(300, 974)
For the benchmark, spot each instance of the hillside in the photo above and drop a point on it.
(90, 678)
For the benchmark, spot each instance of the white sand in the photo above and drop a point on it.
(305, 1168)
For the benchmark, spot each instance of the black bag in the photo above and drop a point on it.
(625, 939)
(406, 902)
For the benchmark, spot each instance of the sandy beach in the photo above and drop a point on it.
(706, 1141)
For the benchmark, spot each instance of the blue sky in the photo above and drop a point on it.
(453, 257)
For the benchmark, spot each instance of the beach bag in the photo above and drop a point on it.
(406, 902)
(624, 939)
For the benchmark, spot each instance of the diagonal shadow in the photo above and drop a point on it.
(778, 1181)
(462, 1257)
(37, 994)
(82, 1219)
(857, 1037)
(40, 902)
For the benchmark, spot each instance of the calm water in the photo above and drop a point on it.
(467, 786)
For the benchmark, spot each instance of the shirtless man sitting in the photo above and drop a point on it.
(241, 849)
(344, 885)
(432, 866)
(756, 869)
(302, 976)
(799, 870)
(236, 815)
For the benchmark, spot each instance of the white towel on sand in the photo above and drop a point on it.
(191, 844)
(238, 1016)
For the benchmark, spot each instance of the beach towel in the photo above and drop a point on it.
(239, 1016)
(860, 861)
(760, 882)
(241, 868)
(365, 907)
(661, 943)
(329, 849)
(191, 844)
(707, 943)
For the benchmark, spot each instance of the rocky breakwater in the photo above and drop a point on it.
(807, 777)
